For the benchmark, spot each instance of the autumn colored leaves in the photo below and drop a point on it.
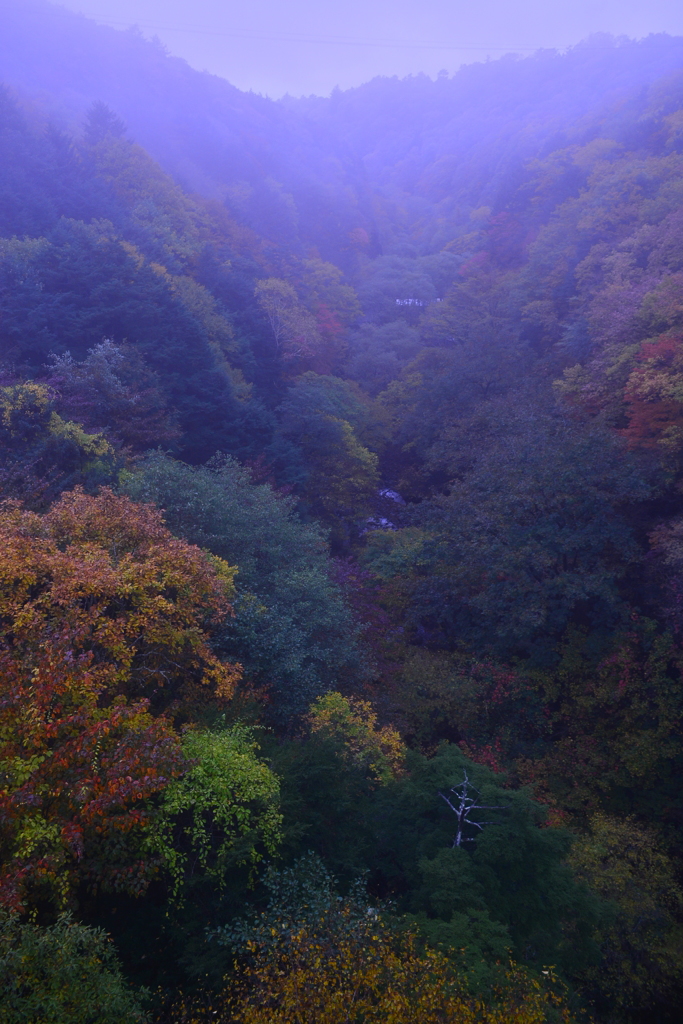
(105, 617)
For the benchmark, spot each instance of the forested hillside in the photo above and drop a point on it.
(341, 457)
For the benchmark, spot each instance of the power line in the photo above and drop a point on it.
(377, 43)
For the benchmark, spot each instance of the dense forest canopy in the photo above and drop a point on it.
(341, 459)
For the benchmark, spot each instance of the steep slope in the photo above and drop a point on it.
(237, 146)
(310, 169)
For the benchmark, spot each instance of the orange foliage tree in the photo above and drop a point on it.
(104, 639)
(368, 976)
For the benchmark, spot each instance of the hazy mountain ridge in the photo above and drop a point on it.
(310, 166)
(204, 131)
(435, 333)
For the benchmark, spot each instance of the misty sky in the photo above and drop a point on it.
(309, 46)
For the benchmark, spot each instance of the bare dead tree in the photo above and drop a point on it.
(463, 806)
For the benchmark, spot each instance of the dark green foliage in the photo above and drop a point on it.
(506, 887)
(66, 973)
(42, 177)
(641, 938)
(378, 354)
(326, 804)
(292, 630)
(396, 286)
(112, 390)
(119, 266)
(305, 895)
(531, 533)
(67, 293)
(41, 453)
(506, 884)
(101, 123)
(335, 428)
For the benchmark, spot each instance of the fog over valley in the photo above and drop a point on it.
(341, 529)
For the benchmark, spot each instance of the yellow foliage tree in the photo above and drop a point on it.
(353, 723)
(294, 328)
(368, 976)
(642, 942)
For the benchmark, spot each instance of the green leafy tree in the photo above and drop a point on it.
(353, 723)
(505, 884)
(102, 123)
(328, 422)
(531, 531)
(294, 328)
(611, 724)
(66, 973)
(395, 286)
(112, 390)
(292, 630)
(222, 813)
(377, 355)
(88, 283)
(42, 453)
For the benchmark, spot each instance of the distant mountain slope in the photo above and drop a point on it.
(209, 135)
(396, 126)
(387, 157)
(440, 148)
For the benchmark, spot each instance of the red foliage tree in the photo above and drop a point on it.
(654, 395)
(104, 637)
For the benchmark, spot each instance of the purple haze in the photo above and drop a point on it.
(303, 47)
